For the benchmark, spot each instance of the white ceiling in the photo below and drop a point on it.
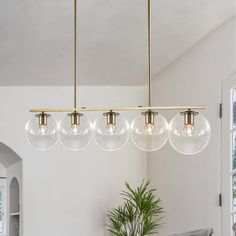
(36, 38)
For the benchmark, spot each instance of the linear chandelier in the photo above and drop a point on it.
(188, 132)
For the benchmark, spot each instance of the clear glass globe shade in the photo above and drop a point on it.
(111, 137)
(75, 137)
(188, 139)
(41, 137)
(149, 137)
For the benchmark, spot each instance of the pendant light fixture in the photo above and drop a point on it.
(188, 132)
(75, 130)
(192, 136)
(41, 131)
(111, 131)
(149, 131)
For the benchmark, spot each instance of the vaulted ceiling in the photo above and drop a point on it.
(36, 38)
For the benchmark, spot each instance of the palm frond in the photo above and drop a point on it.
(141, 213)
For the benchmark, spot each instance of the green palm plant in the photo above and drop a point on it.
(141, 213)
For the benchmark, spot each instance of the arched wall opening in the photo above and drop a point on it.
(10, 192)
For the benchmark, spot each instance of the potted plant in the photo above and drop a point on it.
(140, 214)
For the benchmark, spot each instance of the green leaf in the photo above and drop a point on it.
(140, 214)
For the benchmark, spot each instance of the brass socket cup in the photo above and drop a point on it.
(75, 118)
(43, 118)
(189, 117)
(111, 117)
(149, 117)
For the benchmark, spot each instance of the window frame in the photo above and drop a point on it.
(227, 172)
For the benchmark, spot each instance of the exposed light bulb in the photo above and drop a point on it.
(43, 129)
(149, 122)
(75, 129)
(111, 131)
(192, 136)
(73, 132)
(189, 130)
(149, 129)
(75, 123)
(111, 128)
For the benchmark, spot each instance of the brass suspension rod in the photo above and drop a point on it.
(137, 108)
(132, 108)
(149, 56)
(75, 54)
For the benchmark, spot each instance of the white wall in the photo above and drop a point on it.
(3, 171)
(68, 192)
(189, 186)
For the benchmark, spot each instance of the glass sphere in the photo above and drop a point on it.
(111, 137)
(149, 137)
(75, 137)
(189, 139)
(42, 137)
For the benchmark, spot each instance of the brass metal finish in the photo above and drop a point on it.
(75, 54)
(43, 119)
(189, 117)
(149, 118)
(74, 111)
(149, 56)
(111, 117)
(135, 108)
(75, 118)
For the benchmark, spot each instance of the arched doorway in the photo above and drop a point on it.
(14, 207)
(10, 192)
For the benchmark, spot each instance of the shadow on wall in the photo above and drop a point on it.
(11, 176)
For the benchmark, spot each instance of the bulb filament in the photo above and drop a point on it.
(189, 130)
(111, 128)
(149, 128)
(75, 129)
(43, 129)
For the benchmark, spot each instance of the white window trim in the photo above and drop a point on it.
(226, 160)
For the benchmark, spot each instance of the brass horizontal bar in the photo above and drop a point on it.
(137, 108)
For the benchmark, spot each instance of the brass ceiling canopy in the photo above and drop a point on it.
(143, 137)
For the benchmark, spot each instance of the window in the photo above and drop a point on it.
(233, 155)
(2, 218)
(228, 164)
(2, 207)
